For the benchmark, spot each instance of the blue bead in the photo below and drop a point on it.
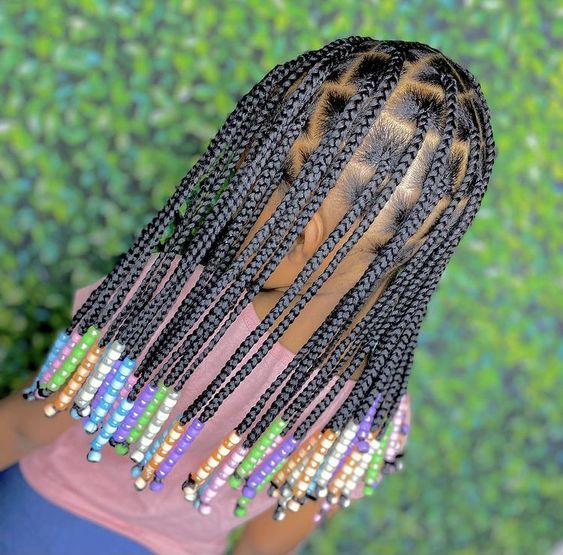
(74, 414)
(128, 363)
(90, 427)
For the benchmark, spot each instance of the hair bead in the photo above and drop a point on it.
(139, 406)
(52, 354)
(96, 378)
(66, 396)
(147, 414)
(70, 363)
(42, 391)
(155, 425)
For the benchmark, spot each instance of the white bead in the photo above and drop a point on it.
(137, 456)
(310, 471)
(338, 483)
(293, 506)
(140, 483)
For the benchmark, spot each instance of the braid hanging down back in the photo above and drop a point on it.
(393, 135)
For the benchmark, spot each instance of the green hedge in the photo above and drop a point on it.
(105, 106)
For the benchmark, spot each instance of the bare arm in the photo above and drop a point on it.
(25, 427)
(265, 536)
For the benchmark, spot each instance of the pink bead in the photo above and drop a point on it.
(207, 495)
(238, 456)
(75, 337)
(204, 509)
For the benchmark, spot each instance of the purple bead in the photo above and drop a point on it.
(178, 450)
(129, 421)
(363, 446)
(156, 485)
(105, 384)
(249, 492)
(266, 466)
(365, 424)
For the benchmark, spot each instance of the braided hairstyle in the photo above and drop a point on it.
(395, 138)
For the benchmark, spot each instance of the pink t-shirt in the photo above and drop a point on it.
(164, 522)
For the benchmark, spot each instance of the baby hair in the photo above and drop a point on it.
(388, 128)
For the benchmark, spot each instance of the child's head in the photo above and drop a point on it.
(419, 141)
(354, 169)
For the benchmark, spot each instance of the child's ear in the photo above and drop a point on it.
(308, 241)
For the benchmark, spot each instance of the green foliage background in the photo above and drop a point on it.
(105, 106)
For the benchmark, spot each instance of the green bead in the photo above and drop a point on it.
(240, 511)
(264, 441)
(235, 482)
(243, 501)
(73, 359)
(368, 490)
(90, 336)
(278, 425)
(245, 467)
(121, 449)
(161, 393)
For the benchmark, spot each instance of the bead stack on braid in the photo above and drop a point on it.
(386, 126)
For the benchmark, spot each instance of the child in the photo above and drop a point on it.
(251, 351)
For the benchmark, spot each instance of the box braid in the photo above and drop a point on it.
(487, 153)
(187, 323)
(435, 272)
(300, 133)
(332, 326)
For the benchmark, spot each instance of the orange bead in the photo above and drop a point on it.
(172, 437)
(216, 457)
(294, 460)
